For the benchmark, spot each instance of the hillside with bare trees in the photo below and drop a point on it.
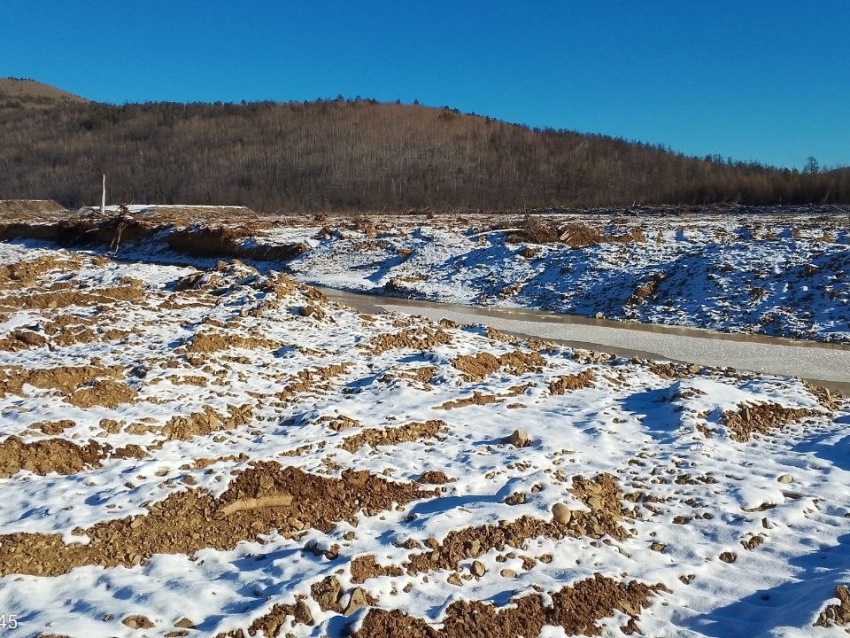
(360, 155)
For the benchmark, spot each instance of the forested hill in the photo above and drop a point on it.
(358, 155)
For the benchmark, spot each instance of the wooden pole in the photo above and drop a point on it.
(103, 197)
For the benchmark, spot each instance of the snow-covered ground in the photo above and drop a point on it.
(194, 451)
(779, 275)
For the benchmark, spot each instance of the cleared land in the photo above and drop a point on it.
(213, 448)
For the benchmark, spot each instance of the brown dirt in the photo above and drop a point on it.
(188, 521)
(14, 207)
(222, 241)
(51, 455)
(424, 338)
(838, 614)
(105, 392)
(65, 298)
(601, 495)
(206, 342)
(393, 436)
(571, 382)
(477, 367)
(64, 379)
(339, 422)
(364, 567)
(21, 340)
(312, 379)
(477, 398)
(206, 422)
(577, 608)
(761, 418)
(827, 398)
(25, 273)
(52, 428)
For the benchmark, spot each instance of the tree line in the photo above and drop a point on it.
(361, 155)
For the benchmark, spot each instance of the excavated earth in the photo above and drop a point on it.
(214, 449)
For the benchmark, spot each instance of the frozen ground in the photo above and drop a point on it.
(773, 274)
(222, 451)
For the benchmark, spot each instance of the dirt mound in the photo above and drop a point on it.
(206, 422)
(571, 382)
(761, 418)
(188, 521)
(52, 455)
(65, 298)
(212, 342)
(109, 394)
(65, 379)
(477, 367)
(577, 608)
(27, 272)
(394, 436)
(221, 241)
(10, 207)
(477, 398)
(413, 338)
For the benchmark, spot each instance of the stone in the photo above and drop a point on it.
(478, 569)
(185, 623)
(786, 478)
(356, 601)
(561, 513)
(507, 573)
(519, 438)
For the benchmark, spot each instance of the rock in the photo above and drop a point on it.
(478, 569)
(137, 622)
(519, 438)
(356, 601)
(507, 573)
(303, 614)
(728, 557)
(561, 513)
(185, 623)
(454, 579)
(658, 547)
(786, 478)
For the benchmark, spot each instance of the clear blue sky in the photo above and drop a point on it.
(755, 80)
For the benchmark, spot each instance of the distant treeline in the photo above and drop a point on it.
(362, 155)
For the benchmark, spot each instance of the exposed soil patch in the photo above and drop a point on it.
(206, 422)
(394, 436)
(424, 338)
(188, 521)
(571, 382)
(223, 241)
(477, 398)
(577, 608)
(52, 455)
(312, 379)
(65, 379)
(105, 392)
(65, 298)
(761, 418)
(601, 495)
(206, 342)
(477, 367)
(365, 567)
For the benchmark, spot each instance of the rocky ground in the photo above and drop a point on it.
(217, 449)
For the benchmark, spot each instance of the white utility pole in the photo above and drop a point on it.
(103, 197)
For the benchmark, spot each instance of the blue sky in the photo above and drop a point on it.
(752, 80)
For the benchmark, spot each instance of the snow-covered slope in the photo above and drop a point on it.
(785, 276)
